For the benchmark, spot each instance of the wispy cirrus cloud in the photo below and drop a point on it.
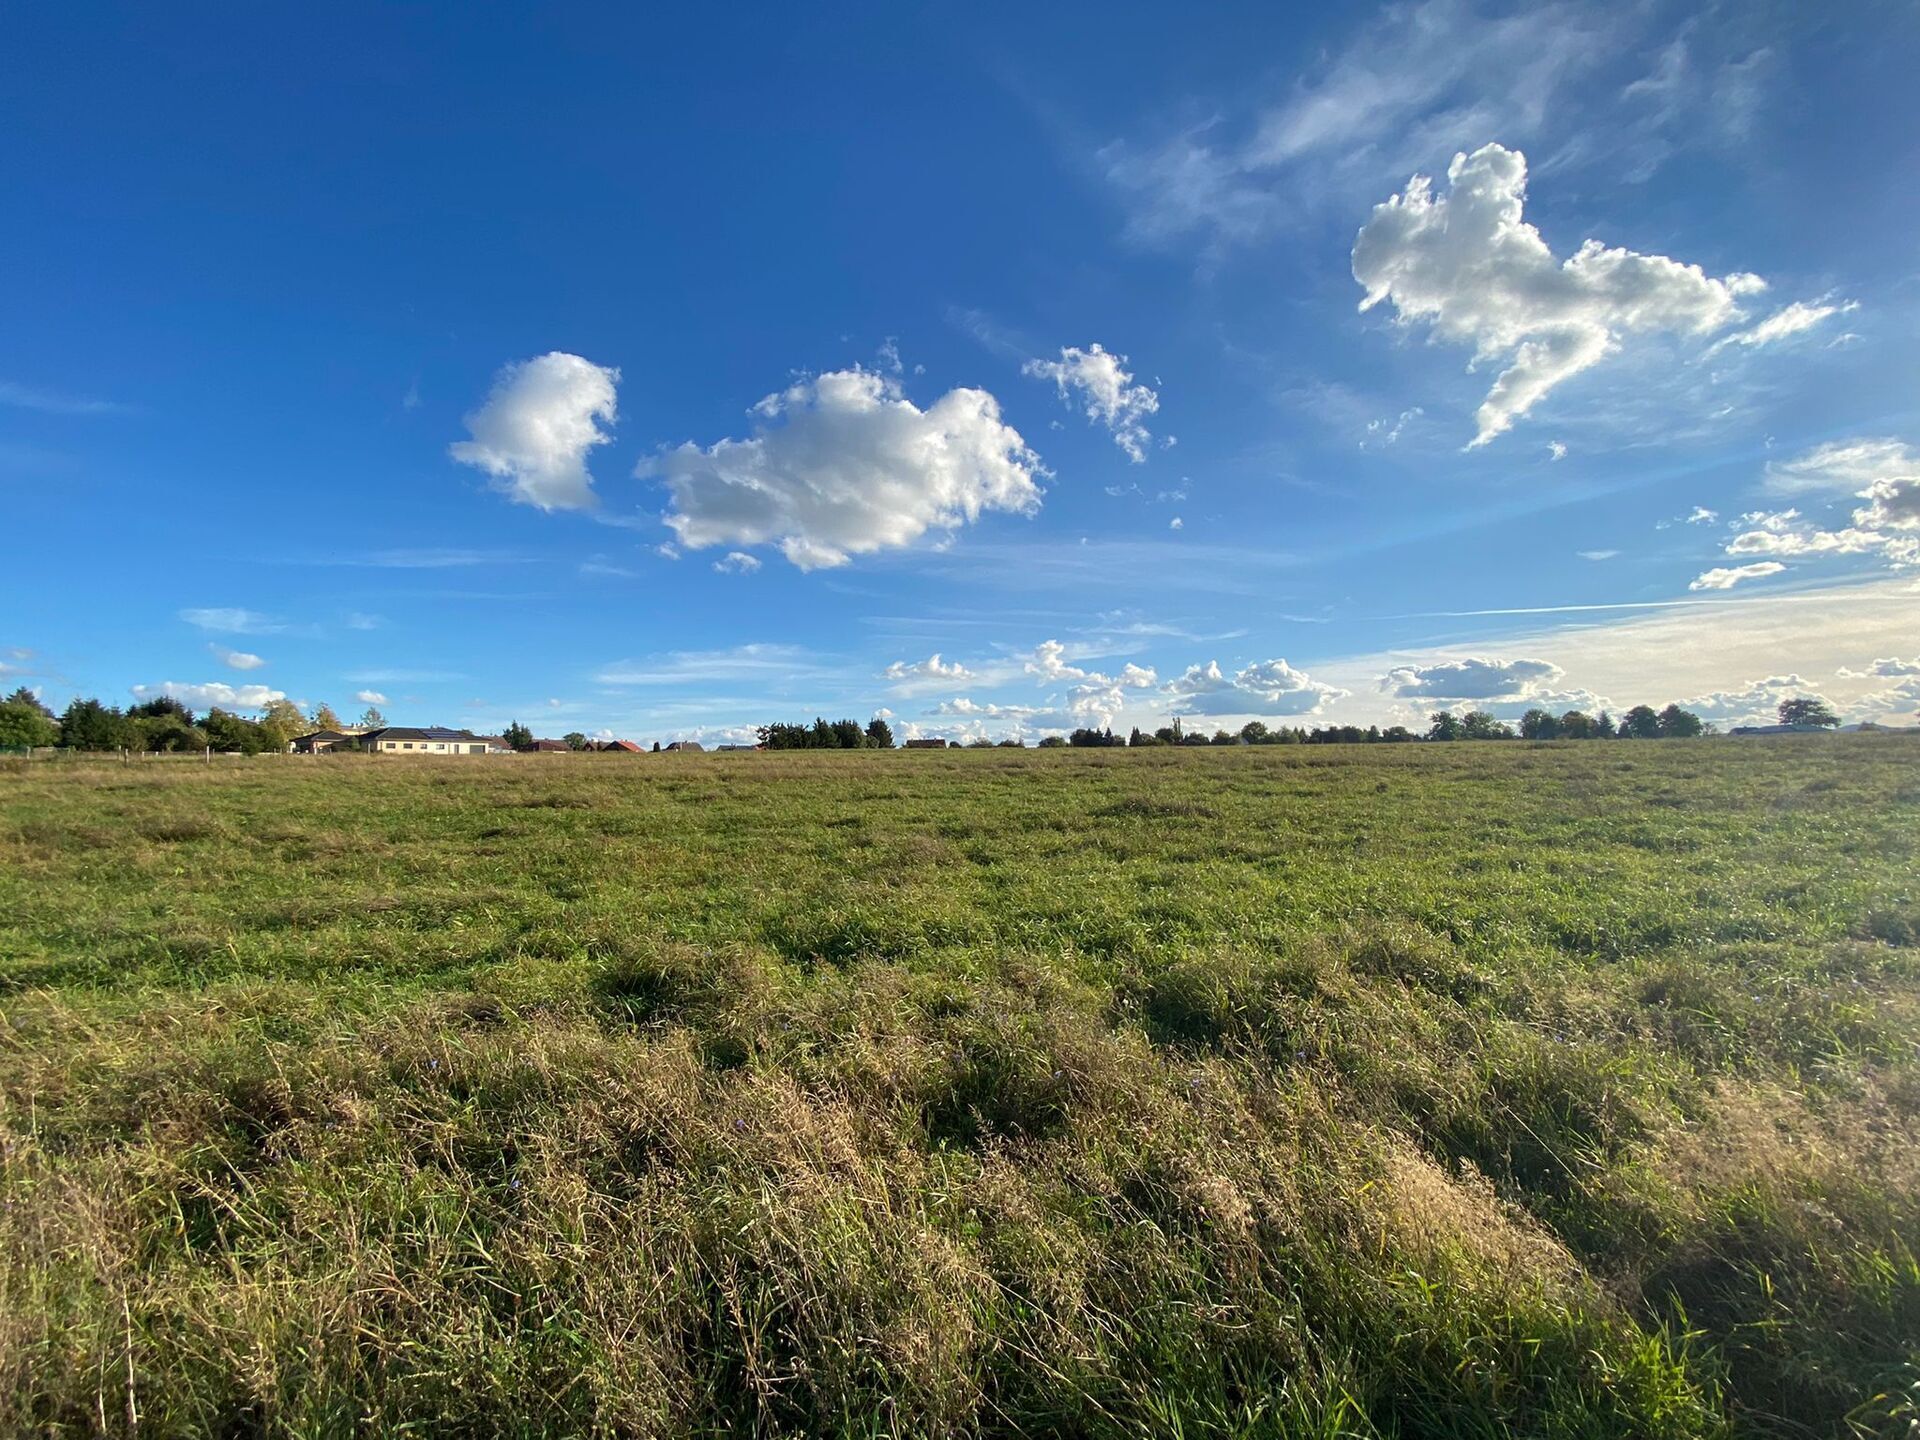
(232, 620)
(1588, 84)
(56, 402)
(741, 663)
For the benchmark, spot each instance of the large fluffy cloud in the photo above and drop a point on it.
(1757, 703)
(1266, 687)
(534, 431)
(845, 465)
(1471, 678)
(205, 697)
(1469, 263)
(1105, 389)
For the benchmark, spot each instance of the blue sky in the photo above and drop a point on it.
(1001, 369)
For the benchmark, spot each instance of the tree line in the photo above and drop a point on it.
(1642, 722)
(159, 725)
(165, 724)
(824, 734)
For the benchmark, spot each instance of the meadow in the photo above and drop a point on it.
(1563, 1090)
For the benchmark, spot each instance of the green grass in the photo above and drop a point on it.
(1476, 1090)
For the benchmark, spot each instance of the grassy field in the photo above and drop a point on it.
(1473, 1090)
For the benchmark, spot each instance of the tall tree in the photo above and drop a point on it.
(1538, 724)
(1678, 724)
(325, 719)
(1640, 723)
(1576, 725)
(228, 731)
(1808, 710)
(160, 707)
(1444, 725)
(371, 718)
(879, 734)
(281, 722)
(1479, 725)
(26, 727)
(517, 736)
(26, 697)
(89, 725)
(576, 740)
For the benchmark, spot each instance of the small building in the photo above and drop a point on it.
(723, 749)
(550, 747)
(625, 746)
(686, 745)
(321, 741)
(926, 745)
(427, 740)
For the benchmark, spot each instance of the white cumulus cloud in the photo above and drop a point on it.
(236, 659)
(533, 433)
(1266, 687)
(1889, 668)
(1474, 677)
(1884, 474)
(843, 465)
(370, 697)
(1757, 703)
(1469, 263)
(932, 668)
(1727, 576)
(737, 562)
(1099, 381)
(215, 692)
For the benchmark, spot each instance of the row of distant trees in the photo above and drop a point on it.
(823, 734)
(160, 724)
(1642, 722)
(164, 724)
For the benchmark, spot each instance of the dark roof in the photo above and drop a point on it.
(414, 732)
(320, 735)
(549, 745)
(686, 745)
